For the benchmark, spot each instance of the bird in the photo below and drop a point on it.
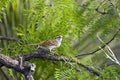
(50, 44)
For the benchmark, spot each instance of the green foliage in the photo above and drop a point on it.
(34, 21)
(43, 23)
(63, 74)
(110, 73)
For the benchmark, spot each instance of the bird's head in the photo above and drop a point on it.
(59, 38)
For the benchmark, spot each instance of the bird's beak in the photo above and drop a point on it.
(61, 36)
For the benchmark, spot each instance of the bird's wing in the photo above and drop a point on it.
(49, 42)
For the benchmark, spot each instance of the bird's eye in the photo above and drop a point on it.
(58, 36)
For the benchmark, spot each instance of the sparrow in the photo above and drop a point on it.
(50, 43)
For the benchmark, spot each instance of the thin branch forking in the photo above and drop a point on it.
(101, 47)
(112, 55)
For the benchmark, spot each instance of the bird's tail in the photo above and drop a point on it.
(35, 45)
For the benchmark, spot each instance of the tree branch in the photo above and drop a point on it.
(27, 69)
(101, 47)
(13, 62)
(43, 54)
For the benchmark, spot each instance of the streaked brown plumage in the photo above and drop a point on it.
(49, 44)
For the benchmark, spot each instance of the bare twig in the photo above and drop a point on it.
(104, 45)
(107, 54)
(7, 38)
(111, 55)
(13, 39)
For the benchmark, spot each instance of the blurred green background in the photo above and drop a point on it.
(78, 21)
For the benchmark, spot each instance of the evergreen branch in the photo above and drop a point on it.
(101, 47)
(42, 54)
